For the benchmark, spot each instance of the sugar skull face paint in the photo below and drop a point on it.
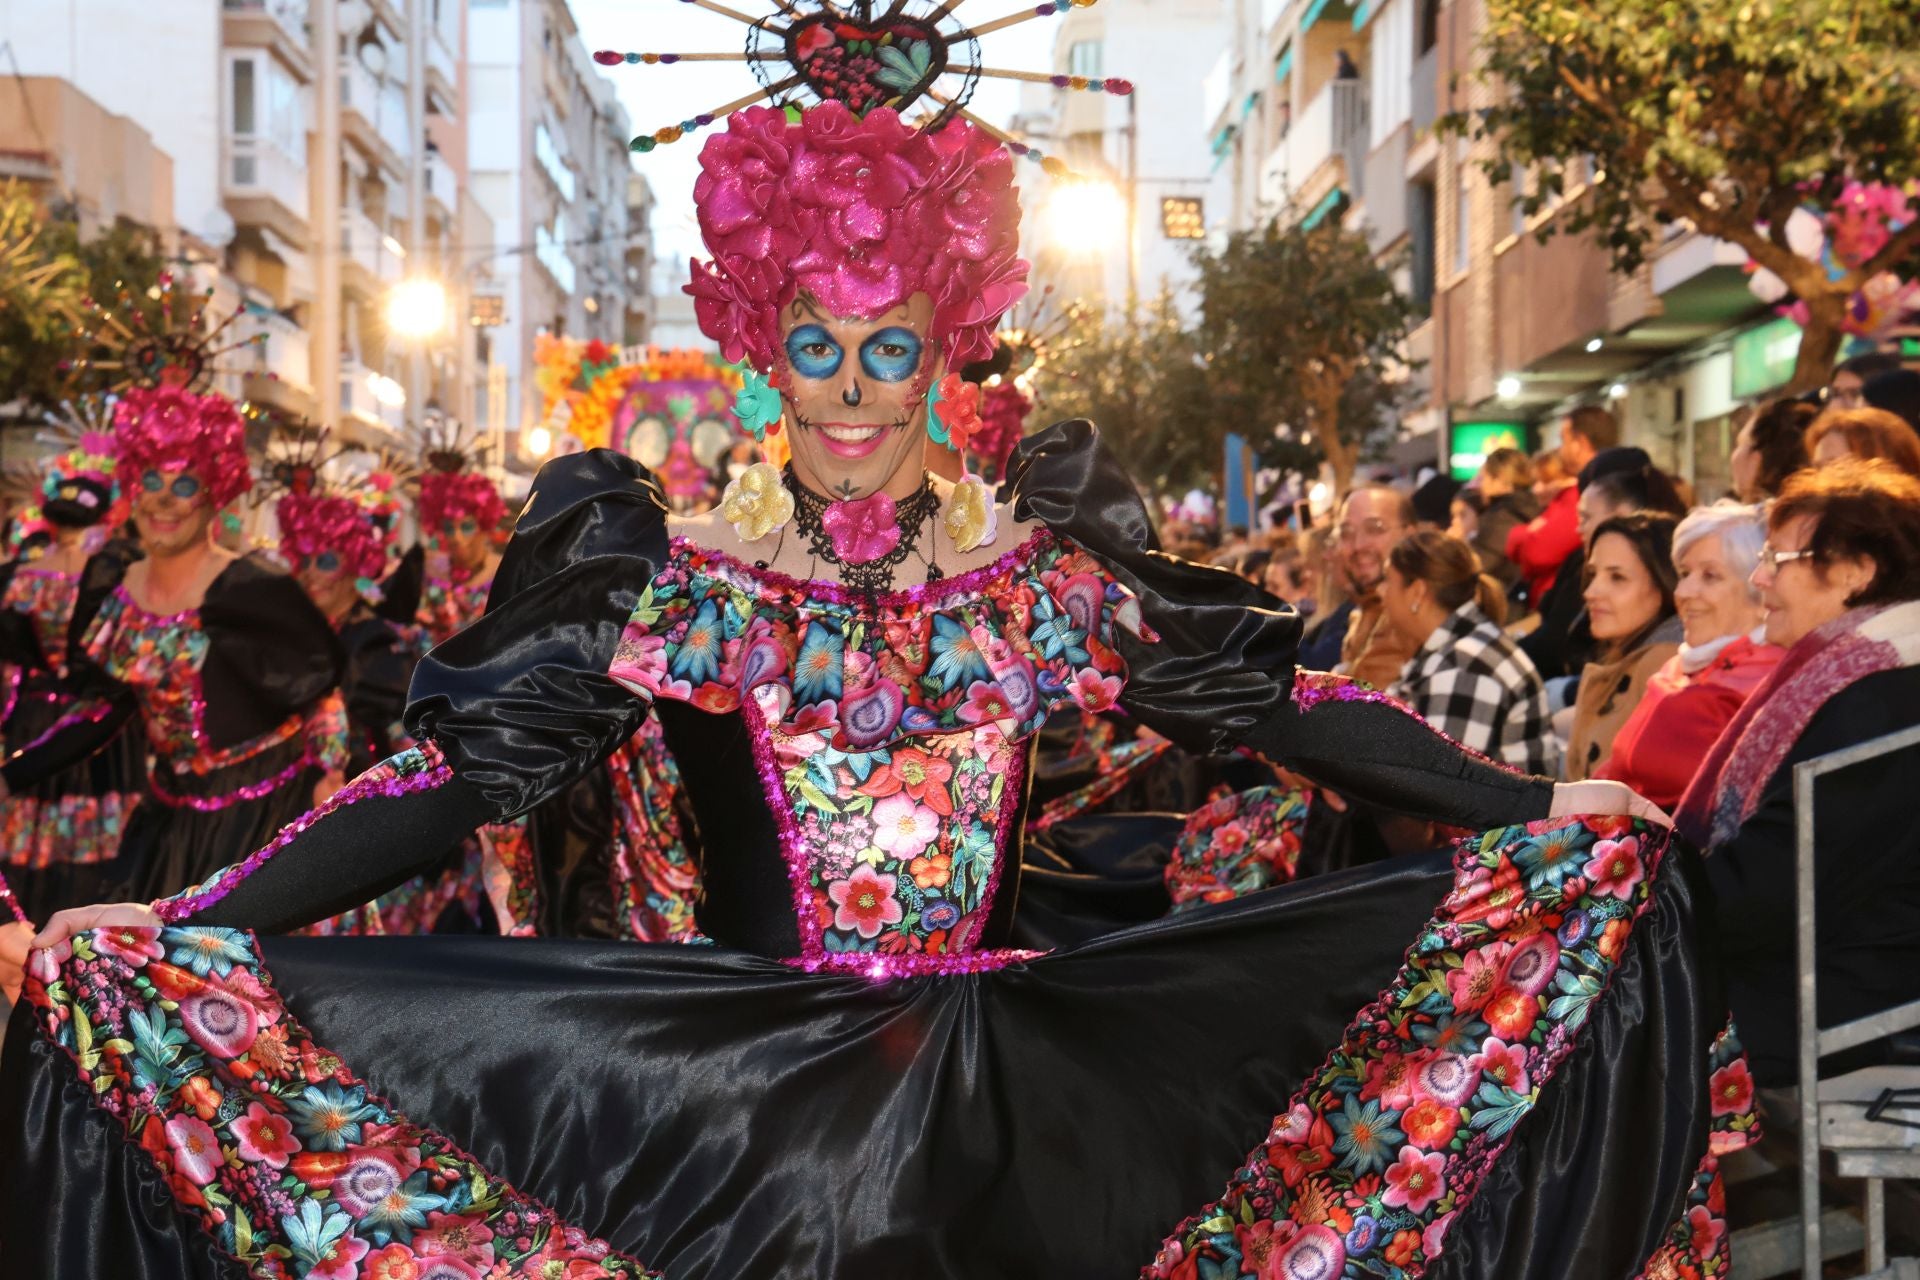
(171, 511)
(856, 396)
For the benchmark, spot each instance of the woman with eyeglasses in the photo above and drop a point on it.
(220, 662)
(1839, 581)
(56, 837)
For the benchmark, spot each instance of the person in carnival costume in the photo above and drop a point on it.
(221, 662)
(460, 512)
(56, 836)
(858, 1078)
(339, 544)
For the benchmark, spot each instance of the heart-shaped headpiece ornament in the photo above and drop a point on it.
(915, 57)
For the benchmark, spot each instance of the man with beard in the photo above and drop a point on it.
(1371, 521)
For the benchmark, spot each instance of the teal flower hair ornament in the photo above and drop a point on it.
(757, 404)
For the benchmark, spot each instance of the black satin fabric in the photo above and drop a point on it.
(521, 701)
(1221, 675)
(271, 653)
(719, 1115)
(1094, 874)
(1224, 662)
(377, 668)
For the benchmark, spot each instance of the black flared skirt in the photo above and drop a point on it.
(1286, 1081)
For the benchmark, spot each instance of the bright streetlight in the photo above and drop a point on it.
(417, 308)
(1508, 388)
(1086, 217)
(539, 441)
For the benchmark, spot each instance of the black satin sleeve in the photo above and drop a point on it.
(19, 646)
(1220, 674)
(271, 653)
(520, 701)
(400, 593)
(379, 668)
(102, 705)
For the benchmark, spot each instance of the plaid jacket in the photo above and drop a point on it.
(1473, 683)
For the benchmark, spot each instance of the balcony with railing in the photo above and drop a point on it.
(443, 185)
(1333, 127)
(442, 66)
(1426, 90)
(279, 367)
(373, 113)
(280, 25)
(371, 398)
(264, 186)
(373, 258)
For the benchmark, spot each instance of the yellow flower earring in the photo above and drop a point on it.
(757, 503)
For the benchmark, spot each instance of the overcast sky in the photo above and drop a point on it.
(657, 96)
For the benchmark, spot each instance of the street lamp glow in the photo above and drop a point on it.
(1508, 388)
(387, 391)
(1618, 391)
(417, 308)
(539, 441)
(1594, 344)
(1086, 217)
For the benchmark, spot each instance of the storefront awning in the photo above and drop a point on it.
(1330, 202)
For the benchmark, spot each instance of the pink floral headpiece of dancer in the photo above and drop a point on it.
(454, 495)
(862, 213)
(169, 429)
(312, 523)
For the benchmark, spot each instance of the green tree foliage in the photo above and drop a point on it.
(120, 268)
(1304, 329)
(40, 293)
(1723, 114)
(1142, 382)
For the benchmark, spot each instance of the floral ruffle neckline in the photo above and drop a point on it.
(1002, 644)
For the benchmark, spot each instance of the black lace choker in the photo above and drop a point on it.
(910, 517)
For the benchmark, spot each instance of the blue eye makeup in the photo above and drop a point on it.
(184, 487)
(892, 355)
(326, 562)
(812, 352)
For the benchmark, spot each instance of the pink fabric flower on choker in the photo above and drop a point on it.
(862, 531)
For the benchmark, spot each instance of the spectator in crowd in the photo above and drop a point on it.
(1550, 475)
(1541, 546)
(1466, 510)
(1506, 487)
(1723, 660)
(1290, 578)
(1898, 392)
(1864, 433)
(1252, 565)
(1433, 502)
(1629, 597)
(1840, 583)
(1615, 482)
(1466, 677)
(1847, 388)
(1372, 520)
(1770, 447)
(1333, 608)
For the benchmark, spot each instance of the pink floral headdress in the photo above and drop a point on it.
(450, 486)
(171, 429)
(862, 213)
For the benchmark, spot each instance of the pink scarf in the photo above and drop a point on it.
(1750, 750)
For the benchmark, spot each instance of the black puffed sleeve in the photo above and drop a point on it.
(19, 646)
(1220, 673)
(271, 654)
(521, 701)
(519, 704)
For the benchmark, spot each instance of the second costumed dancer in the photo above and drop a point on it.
(1393, 1071)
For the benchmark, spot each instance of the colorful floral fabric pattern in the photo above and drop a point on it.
(1002, 645)
(289, 1162)
(70, 830)
(1363, 1173)
(655, 879)
(1116, 767)
(1241, 843)
(1698, 1245)
(161, 657)
(887, 728)
(448, 607)
(46, 597)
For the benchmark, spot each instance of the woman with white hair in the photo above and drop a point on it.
(1722, 661)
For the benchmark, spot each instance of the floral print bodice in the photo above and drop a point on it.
(46, 597)
(160, 657)
(448, 607)
(889, 731)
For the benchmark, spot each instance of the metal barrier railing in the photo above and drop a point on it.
(1814, 1042)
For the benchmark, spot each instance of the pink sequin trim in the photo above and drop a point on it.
(367, 785)
(793, 845)
(1013, 797)
(213, 804)
(928, 594)
(13, 903)
(90, 713)
(884, 968)
(13, 694)
(1311, 688)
